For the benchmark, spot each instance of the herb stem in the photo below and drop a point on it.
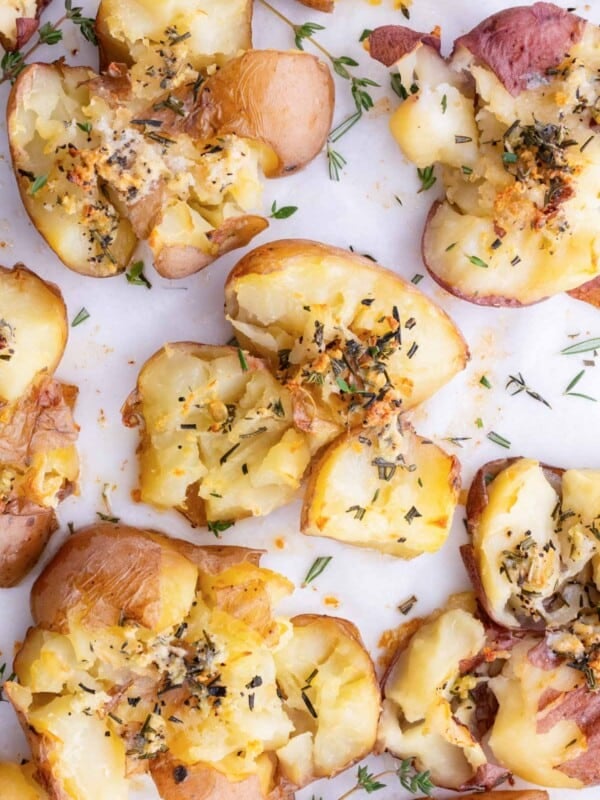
(289, 22)
(11, 73)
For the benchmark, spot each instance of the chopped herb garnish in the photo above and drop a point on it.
(426, 177)
(478, 262)
(86, 688)
(573, 383)
(107, 517)
(226, 455)
(462, 139)
(365, 34)
(217, 526)
(411, 514)
(485, 382)
(38, 184)
(499, 440)
(417, 278)
(309, 705)
(516, 384)
(581, 347)
(466, 170)
(136, 276)
(80, 317)
(86, 127)
(406, 606)
(359, 511)
(510, 158)
(242, 358)
(444, 104)
(282, 213)
(318, 566)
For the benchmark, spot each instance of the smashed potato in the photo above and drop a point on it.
(167, 658)
(429, 714)
(535, 550)
(218, 435)
(345, 335)
(39, 465)
(104, 161)
(383, 487)
(510, 119)
(205, 32)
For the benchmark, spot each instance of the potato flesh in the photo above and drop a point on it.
(69, 210)
(229, 407)
(216, 28)
(515, 738)
(417, 720)
(33, 331)
(18, 784)
(343, 693)
(541, 252)
(528, 548)
(76, 686)
(174, 190)
(382, 489)
(281, 310)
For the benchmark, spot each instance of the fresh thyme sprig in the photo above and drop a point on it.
(305, 32)
(85, 24)
(341, 64)
(410, 779)
(517, 384)
(12, 64)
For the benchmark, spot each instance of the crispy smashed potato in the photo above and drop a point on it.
(200, 32)
(104, 161)
(535, 551)
(167, 658)
(19, 20)
(429, 712)
(218, 436)
(230, 433)
(457, 678)
(345, 335)
(39, 465)
(510, 121)
(385, 488)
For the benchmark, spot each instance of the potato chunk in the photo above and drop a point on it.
(509, 118)
(218, 439)
(384, 488)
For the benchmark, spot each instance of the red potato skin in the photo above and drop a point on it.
(588, 292)
(519, 44)
(477, 500)
(81, 575)
(389, 43)
(24, 532)
(485, 777)
(176, 781)
(319, 5)
(26, 27)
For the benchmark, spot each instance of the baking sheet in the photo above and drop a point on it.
(128, 323)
